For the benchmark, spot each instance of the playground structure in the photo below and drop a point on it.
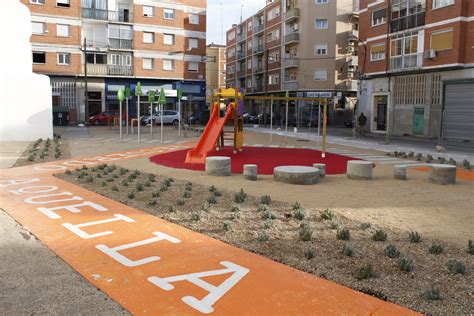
(231, 100)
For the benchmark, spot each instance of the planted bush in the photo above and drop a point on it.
(196, 216)
(347, 250)
(68, 172)
(171, 209)
(139, 187)
(263, 236)
(262, 208)
(266, 200)
(226, 226)
(131, 195)
(470, 247)
(216, 193)
(414, 237)
(436, 249)
(104, 184)
(456, 266)
(405, 265)
(296, 206)
(379, 235)
(152, 202)
(212, 188)
(124, 182)
(234, 216)
(180, 202)
(365, 272)
(305, 232)
(466, 164)
(186, 195)
(146, 184)
(115, 188)
(299, 214)
(155, 194)
(240, 196)
(211, 200)
(365, 226)
(391, 251)
(432, 294)
(343, 234)
(419, 156)
(163, 187)
(110, 179)
(333, 225)
(309, 254)
(235, 209)
(268, 215)
(151, 177)
(327, 215)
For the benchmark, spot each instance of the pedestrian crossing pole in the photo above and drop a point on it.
(128, 93)
(138, 93)
(120, 98)
(151, 100)
(162, 102)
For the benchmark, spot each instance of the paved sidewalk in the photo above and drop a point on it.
(10, 152)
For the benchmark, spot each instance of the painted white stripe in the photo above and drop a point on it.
(257, 145)
(54, 48)
(274, 146)
(55, 19)
(166, 55)
(168, 30)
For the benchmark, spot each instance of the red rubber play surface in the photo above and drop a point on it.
(266, 158)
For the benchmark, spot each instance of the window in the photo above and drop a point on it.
(321, 49)
(442, 40)
(62, 30)
(168, 39)
(277, 11)
(63, 3)
(249, 84)
(274, 79)
(377, 52)
(441, 3)
(404, 51)
(249, 26)
(193, 43)
(168, 14)
(148, 11)
(193, 18)
(193, 66)
(406, 14)
(64, 58)
(273, 35)
(274, 57)
(147, 63)
(321, 24)
(249, 45)
(127, 60)
(379, 17)
(148, 37)
(38, 27)
(270, 15)
(231, 36)
(115, 59)
(249, 64)
(120, 31)
(321, 1)
(321, 75)
(37, 1)
(96, 58)
(39, 58)
(168, 64)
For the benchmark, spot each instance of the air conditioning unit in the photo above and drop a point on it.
(430, 54)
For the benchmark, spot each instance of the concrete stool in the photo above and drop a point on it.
(322, 169)
(400, 172)
(442, 174)
(296, 174)
(218, 166)
(359, 169)
(250, 172)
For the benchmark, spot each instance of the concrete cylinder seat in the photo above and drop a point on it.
(218, 166)
(296, 174)
(359, 169)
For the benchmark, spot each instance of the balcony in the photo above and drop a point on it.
(109, 70)
(241, 73)
(120, 43)
(258, 28)
(406, 62)
(259, 49)
(107, 15)
(353, 35)
(257, 88)
(292, 14)
(292, 38)
(258, 69)
(352, 85)
(292, 85)
(289, 62)
(241, 37)
(241, 55)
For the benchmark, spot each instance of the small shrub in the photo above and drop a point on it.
(212, 188)
(305, 232)
(432, 294)
(414, 237)
(166, 183)
(456, 267)
(263, 236)
(186, 195)
(391, 251)
(429, 158)
(234, 216)
(189, 183)
(212, 200)
(299, 214)
(411, 154)
(99, 176)
(68, 172)
(155, 194)
(466, 164)
(347, 250)
(452, 162)
(309, 254)
(110, 179)
(115, 188)
(102, 166)
(436, 249)
(235, 209)
(139, 187)
(122, 171)
(115, 176)
(268, 224)
(89, 179)
(57, 155)
(152, 202)
(266, 199)
(131, 195)
(104, 184)
(125, 182)
(170, 180)
(187, 187)
(105, 173)
(163, 187)
(365, 226)
(131, 177)
(419, 156)
(136, 172)
(296, 206)
(379, 235)
(327, 215)
(343, 234)
(206, 206)
(405, 265)
(365, 272)
(31, 158)
(151, 177)
(147, 184)
(226, 226)
(196, 216)
(240, 196)
(268, 215)
(470, 247)
(262, 208)
(217, 193)
(180, 202)
(171, 209)
(333, 225)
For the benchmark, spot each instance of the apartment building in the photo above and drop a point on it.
(119, 43)
(215, 69)
(307, 48)
(417, 67)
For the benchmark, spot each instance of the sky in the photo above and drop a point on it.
(221, 14)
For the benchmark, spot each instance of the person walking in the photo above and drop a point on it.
(362, 120)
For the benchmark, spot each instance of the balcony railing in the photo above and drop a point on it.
(293, 85)
(241, 55)
(258, 28)
(107, 15)
(258, 69)
(352, 85)
(241, 73)
(257, 88)
(406, 62)
(120, 43)
(292, 14)
(292, 38)
(109, 70)
(290, 62)
(241, 37)
(258, 49)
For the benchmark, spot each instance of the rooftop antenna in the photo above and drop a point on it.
(241, 10)
(222, 23)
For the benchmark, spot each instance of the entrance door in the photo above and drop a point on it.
(95, 102)
(419, 121)
(380, 105)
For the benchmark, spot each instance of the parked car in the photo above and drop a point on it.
(250, 118)
(201, 118)
(169, 117)
(106, 117)
(349, 123)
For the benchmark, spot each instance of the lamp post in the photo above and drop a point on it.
(138, 93)
(120, 97)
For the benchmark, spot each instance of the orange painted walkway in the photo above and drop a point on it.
(462, 174)
(153, 267)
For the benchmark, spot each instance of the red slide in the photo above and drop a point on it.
(209, 137)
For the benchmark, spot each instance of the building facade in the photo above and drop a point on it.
(417, 67)
(304, 47)
(215, 69)
(118, 43)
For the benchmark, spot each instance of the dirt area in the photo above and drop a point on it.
(44, 150)
(308, 237)
(34, 281)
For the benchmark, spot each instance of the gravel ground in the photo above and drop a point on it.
(248, 225)
(34, 281)
(39, 152)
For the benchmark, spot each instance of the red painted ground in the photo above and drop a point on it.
(266, 158)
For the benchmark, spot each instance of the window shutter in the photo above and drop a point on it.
(441, 41)
(377, 49)
(380, 14)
